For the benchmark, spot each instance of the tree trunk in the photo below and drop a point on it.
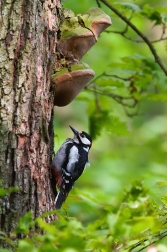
(27, 55)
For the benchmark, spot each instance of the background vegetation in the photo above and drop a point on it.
(129, 152)
(119, 203)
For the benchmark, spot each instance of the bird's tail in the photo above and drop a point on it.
(60, 198)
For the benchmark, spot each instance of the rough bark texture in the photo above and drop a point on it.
(27, 52)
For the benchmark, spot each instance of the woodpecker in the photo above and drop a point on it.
(69, 163)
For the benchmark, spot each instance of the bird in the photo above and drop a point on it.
(69, 163)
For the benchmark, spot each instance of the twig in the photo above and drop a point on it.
(117, 98)
(131, 114)
(156, 238)
(118, 77)
(98, 4)
(127, 21)
(109, 75)
(135, 40)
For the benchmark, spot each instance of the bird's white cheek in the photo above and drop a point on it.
(85, 141)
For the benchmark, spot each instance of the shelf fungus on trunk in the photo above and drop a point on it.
(79, 33)
(69, 84)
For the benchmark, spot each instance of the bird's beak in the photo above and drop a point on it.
(74, 130)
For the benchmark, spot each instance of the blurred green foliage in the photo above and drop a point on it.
(120, 202)
(130, 146)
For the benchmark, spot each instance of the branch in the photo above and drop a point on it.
(120, 99)
(118, 77)
(109, 75)
(156, 238)
(135, 40)
(125, 101)
(127, 21)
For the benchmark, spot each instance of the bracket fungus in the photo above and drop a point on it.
(78, 34)
(70, 84)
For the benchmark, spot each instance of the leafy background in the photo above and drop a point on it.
(119, 203)
(129, 152)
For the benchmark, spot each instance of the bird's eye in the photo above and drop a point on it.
(82, 135)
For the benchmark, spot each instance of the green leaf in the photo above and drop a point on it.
(47, 227)
(135, 192)
(152, 14)
(5, 250)
(9, 190)
(164, 200)
(157, 97)
(110, 82)
(87, 196)
(25, 223)
(130, 6)
(75, 197)
(115, 126)
(139, 224)
(162, 183)
(165, 17)
(97, 121)
(26, 245)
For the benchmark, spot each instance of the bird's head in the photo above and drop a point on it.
(81, 137)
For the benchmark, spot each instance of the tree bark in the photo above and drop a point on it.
(28, 36)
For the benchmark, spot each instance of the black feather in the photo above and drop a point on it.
(61, 197)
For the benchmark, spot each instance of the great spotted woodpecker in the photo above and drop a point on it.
(69, 163)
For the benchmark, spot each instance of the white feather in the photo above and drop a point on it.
(86, 148)
(73, 158)
(84, 140)
(57, 197)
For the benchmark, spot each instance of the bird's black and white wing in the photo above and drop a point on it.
(61, 154)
